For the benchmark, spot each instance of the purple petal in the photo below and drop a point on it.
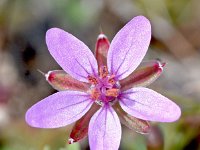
(59, 109)
(104, 130)
(149, 105)
(144, 75)
(128, 47)
(71, 54)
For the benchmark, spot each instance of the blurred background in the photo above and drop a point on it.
(175, 40)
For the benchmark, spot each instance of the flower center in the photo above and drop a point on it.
(104, 88)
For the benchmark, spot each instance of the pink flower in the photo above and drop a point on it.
(102, 88)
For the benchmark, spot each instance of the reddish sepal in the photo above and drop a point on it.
(101, 50)
(144, 75)
(61, 81)
(138, 125)
(80, 129)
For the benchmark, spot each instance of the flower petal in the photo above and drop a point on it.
(71, 54)
(128, 47)
(144, 75)
(138, 125)
(59, 109)
(149, 105)
(104, 130)
(101, 50)
(61, 81)
(80, 129)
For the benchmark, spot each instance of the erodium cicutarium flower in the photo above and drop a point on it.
(94, 92)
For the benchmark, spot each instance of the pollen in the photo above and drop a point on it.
(92, 80)
(112, 80)
(112, 92)
(95, 94)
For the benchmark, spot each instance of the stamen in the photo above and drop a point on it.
(103, 71)
(112, 92)
(92, 80)
(112, 80)
(95, 94)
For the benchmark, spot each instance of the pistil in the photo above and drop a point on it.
(104, 88)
